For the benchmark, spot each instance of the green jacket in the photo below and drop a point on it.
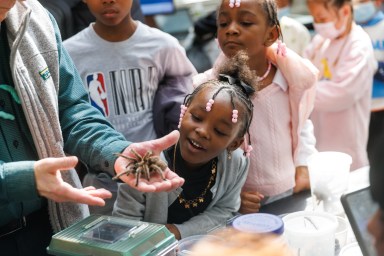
(84, 131)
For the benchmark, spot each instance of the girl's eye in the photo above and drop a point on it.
(222, 24)
(196, 118)
(220, 133)
(246, 24)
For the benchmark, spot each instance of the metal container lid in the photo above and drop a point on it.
(259, 223)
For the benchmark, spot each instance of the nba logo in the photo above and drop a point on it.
(97, 92)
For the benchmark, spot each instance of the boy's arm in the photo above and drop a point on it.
(174, 86)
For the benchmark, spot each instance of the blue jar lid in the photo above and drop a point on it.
(259, 223)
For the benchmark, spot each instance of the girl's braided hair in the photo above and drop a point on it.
(236, 79)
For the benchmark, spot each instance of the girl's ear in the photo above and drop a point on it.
(272, 35)
(235, 144)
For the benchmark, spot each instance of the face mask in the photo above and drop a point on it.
(281, 12)
(328, 29)
(364, 12)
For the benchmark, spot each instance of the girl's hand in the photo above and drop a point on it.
(301, 179)
(50, 184)
(250, 202)
(156, 183)
(174, 230)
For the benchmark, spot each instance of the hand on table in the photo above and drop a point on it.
(156, 183)
(50, 184)
(250, 202)
(174, 230)
(301, 179)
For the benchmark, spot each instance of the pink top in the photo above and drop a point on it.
(281, 140)
(343, 97)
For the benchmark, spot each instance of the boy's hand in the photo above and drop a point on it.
(250, 202)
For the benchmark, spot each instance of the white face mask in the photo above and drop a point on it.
(328, 29)
(363, 12)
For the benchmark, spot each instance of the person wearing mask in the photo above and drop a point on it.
(370, 17)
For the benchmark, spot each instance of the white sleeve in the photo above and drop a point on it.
(307, 143)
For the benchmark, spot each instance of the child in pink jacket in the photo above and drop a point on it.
(282, 134)
(343, 53)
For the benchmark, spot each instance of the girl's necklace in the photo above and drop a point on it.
(200, 199)
(261, 78)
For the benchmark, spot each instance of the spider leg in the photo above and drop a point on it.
(126, 157)
(156, 168)
(155, 160)
(139, 158)
(146, 171)
(138, 175)
(128, 171)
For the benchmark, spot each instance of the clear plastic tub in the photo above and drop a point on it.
(185, 244)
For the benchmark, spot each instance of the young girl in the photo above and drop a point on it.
(213, 122)
(343, 53)
(283, 136)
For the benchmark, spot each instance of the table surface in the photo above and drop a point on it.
(302, 201)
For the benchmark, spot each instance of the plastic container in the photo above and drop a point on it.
(259, 223)
(186, 244)
(352, 249)
(310, 233)
(328, 174)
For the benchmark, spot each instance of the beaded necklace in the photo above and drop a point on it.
(261, 78)
(200, 199)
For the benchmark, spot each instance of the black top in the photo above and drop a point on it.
(194, 185)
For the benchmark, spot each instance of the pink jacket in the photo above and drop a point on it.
(343, 98)
(301, 77)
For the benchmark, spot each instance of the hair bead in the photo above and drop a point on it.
(234, 115)
(209, 105)
(183, 109)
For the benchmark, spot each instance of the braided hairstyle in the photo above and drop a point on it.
(235, 67)
(270, 9)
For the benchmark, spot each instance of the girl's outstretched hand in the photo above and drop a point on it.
(156, 183)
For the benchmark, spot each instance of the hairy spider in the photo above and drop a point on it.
(143, 166)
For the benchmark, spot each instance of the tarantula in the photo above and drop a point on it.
(143, 165)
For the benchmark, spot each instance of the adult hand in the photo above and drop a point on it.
(156, 183)
(250, 202)
(50, 184)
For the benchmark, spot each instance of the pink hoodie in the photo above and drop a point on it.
(343, 99)
(300, 76)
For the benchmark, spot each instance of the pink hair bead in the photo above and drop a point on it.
(248, 151)
(234, 115)
(183, 109)
(209, 105)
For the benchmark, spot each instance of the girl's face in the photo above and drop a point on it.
(376, 228)
(322, 13)
(244, 28)
(204, 135)
(110, 12)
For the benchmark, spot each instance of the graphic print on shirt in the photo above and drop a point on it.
(327, 75)
(129, 93)
(97, 92)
